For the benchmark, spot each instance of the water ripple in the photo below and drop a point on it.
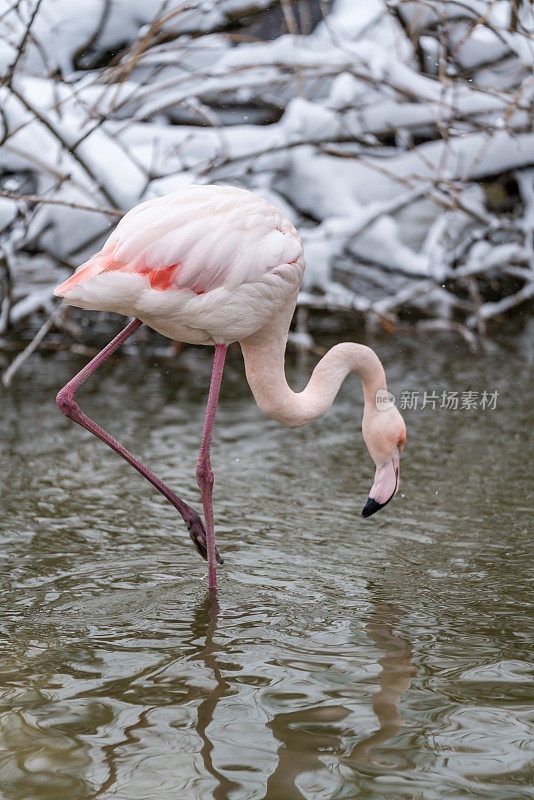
(387, 659)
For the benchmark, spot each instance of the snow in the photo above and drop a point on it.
(367, 154)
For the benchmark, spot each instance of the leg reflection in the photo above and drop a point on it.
(206, 618)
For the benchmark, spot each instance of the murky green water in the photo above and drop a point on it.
(346, 658)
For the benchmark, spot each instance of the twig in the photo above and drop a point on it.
(63, 141)
(17, 362)
(477, 302)
(22, 46)
(34, 198)
(8, 270)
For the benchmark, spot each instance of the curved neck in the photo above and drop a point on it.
(264, 365)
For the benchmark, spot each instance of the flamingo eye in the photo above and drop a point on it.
(399, 444)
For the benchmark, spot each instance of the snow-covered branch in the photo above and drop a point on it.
(397, 134)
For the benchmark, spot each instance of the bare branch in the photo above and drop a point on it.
(22, 46)
(57, 201)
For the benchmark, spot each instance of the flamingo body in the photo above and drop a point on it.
(203, 265)
(214, 265)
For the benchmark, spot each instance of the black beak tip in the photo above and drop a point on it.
(371, 507)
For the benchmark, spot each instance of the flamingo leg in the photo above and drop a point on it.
(204, 471)
(67, 404)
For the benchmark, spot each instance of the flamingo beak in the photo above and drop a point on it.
(385, 485)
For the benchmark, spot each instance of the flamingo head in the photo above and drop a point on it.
(384, 433)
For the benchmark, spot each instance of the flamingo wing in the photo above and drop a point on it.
(197, 238)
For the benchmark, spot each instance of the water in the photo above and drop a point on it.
(344, 658)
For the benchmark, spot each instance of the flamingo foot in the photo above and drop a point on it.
(198, 537)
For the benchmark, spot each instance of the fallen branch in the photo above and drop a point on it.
(17, 362)
(489, 310)
(75, 348)
(451, 326)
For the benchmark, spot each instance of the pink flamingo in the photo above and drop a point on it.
(214, 265)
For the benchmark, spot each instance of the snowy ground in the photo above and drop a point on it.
(398, 136)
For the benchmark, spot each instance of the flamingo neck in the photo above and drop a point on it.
(264, 354)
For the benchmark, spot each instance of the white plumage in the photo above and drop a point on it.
(204, 264)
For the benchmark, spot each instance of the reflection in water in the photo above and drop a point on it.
(205, 622)
(113, 753)
(121, 679)
(395, 678)
(202, 629)
(304, 737)
(308, 736)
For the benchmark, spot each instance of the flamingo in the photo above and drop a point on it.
(213, 265)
